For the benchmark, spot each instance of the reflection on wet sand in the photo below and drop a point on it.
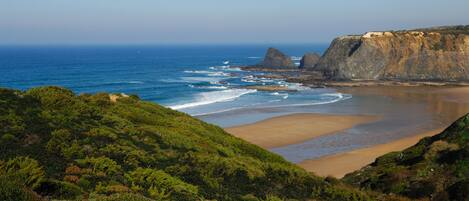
(445, 103)
(405, 112)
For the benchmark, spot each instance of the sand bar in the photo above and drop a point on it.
(338, 165)
(296, 128)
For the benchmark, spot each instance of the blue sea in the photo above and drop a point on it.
(197, 79)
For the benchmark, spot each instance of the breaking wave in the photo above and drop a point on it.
(206, 98)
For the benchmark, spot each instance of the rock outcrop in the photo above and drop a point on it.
(276, 59)
(309, 60)
(435, 54)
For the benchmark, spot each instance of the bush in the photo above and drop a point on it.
(158, 184)
(101, 166)
(26, 170)
(120, 197)
(59, 190)
(12, 190)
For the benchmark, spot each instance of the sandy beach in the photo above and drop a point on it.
(445, 103)
(295, 128)
(338, 165)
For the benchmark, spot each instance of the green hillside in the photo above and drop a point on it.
(437, 168)
(58, 145)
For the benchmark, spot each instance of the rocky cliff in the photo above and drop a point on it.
(276, 59)
(435, 54)
(309, 60)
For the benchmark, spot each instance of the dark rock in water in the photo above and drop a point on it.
(276, 59)
(438, 54)
(309, 60)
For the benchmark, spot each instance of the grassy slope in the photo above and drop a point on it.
(436, 168)
(57, 144)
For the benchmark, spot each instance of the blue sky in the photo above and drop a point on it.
(214, 21)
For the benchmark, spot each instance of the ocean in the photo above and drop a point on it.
(197, 79)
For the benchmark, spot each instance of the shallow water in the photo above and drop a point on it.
(404, 111)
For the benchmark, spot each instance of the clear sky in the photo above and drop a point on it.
(214, 21)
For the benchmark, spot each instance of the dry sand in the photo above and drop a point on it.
(340, 164)
(296, 128)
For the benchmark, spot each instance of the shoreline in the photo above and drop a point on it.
(338, 165)
(296, 128)
(443, 103)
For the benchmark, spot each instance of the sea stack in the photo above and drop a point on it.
(276, 59)
(309, 60)
(434, 54)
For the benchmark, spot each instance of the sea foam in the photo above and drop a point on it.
(206, 98)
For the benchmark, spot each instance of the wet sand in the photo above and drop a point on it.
(338, 165)
(295, 128)
(406, 114)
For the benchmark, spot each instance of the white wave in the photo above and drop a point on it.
(218, 74)
(206, 98)
(339, 97)
(266, 80)
(225, 68)
(295, 58)
(216, 87)
(233, 69)
(207, 87)
(208, 73)
(247, 80)
(198, 71)
(296, 86)
(254, 57)
(284, 95)
(211, 80)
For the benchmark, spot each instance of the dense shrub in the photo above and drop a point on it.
(26, 170)
(13, 190)
(65, 146)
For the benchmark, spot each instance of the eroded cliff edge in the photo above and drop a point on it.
(434, 54)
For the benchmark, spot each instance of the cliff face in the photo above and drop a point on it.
(426, 54)
(309, 60)
(276, 59)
